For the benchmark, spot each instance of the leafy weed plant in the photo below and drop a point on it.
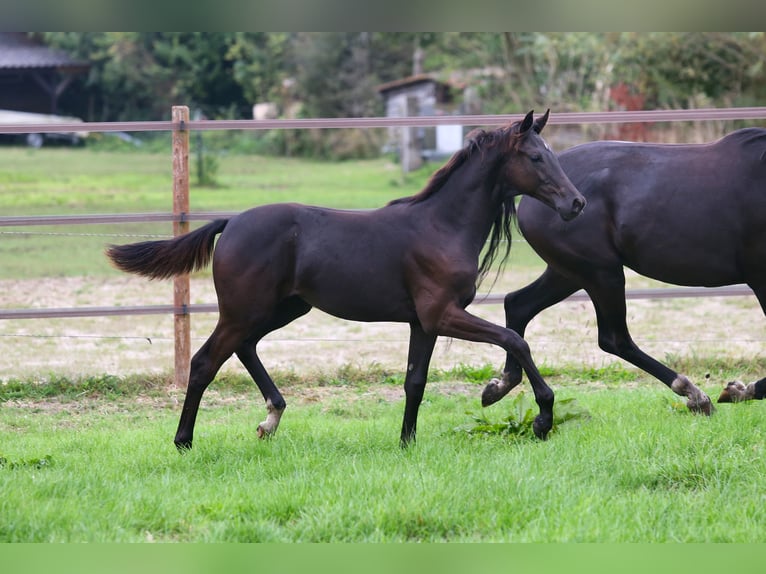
(522, 413)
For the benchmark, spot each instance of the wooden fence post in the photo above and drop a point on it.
(182, 319)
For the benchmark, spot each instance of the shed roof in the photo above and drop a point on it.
(18, 51)
(407, 82)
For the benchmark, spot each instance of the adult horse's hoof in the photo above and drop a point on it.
(735, 392)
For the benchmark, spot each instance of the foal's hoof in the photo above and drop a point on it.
(269, 426)
(493, 392)
(735, 392)
(698, 402)
(541, 428)
(183, 446)
(406, 442)
(701, 406)
(264, 431)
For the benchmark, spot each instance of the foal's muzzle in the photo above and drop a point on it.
(578, 204)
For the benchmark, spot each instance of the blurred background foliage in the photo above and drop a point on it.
(141, 75)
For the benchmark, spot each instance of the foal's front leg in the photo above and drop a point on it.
(418, 359)
(460, 324)
(520, 308)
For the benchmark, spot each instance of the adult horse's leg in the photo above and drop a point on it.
(286, 312)
(520, 308)
(204, 365)
(607, 291)
(460, 324)
(418, 358)
(737, 391)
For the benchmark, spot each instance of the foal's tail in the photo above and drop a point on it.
(166, 258)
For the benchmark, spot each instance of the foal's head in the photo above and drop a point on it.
(531, 168)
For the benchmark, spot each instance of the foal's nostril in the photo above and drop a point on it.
(578, 205)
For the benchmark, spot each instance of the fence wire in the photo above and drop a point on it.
(709, 114)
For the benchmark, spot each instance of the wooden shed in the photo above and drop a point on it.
(420, 95)
(32, 75)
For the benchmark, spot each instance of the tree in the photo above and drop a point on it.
(673, 70)
(333, 74)
(140, 75)
(261, 64)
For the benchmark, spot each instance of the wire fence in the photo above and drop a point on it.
(184, 217)
(643, 116)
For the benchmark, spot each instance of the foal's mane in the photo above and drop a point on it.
(478, 140)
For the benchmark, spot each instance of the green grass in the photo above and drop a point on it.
(64, 181)
(55, 181)
(92, 460)
(638, 469)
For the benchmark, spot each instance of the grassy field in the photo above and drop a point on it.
(77, 181)
(87, 413)
(101, 467)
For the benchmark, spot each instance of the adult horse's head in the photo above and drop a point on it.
(533, 169)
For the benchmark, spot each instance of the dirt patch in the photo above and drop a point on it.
(566, 333)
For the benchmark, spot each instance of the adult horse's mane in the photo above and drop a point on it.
(747, 135)
(478, 140)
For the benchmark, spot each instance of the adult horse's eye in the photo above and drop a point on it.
(536, 157)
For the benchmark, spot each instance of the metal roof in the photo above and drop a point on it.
(18, 51)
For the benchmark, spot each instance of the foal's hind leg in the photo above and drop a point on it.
(275, 403)
(520, 308)
(204, 366)
(286, 312)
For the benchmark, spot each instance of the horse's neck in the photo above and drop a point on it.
(467, 200)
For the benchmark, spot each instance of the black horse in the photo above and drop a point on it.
(684, 214)
(415, 260)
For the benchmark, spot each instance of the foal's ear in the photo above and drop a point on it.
(526, 122)
(541, 121)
